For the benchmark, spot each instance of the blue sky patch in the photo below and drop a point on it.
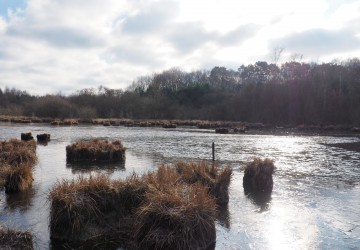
(10, 4)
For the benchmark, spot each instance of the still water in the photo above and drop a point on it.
(315, 201)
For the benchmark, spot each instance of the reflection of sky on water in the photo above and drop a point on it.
(314, 204)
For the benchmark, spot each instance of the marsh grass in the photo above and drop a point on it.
(14, 239)
(182, 218)
(258, 181)
(94, 209)
(158, 210)
(16, 161)
(216, 179)
(18, 179)
(95, 151)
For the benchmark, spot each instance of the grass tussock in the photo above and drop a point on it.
(15, 152)
(91, 209)
(14, 239)
(43, 137)
(16, 161)
(258, 177)
(156, 211)
(217, 180)
(17, 179)
(180, 219)
(95, 151)
(26, 136)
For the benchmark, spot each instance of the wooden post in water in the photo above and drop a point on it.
(213, 151)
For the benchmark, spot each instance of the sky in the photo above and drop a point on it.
(61, 46)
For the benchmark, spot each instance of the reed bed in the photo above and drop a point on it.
(16, 161)
(14, 239)
(95, 151)
(158, 210)
(257, 178)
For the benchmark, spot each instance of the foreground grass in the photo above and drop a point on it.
(171, 208)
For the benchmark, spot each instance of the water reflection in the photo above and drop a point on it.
(42, 143)
(262, 200)
(21, 200)
(223, 216)
(108, 168)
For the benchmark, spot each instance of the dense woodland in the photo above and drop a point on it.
(290, 94)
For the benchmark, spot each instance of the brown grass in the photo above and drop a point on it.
(95, 151)
(182, 218)
(17, 179)
(93, 209)
(215, 179)
(26, 136)
(15, 152)
(16, 161)
(43, 138)
(14, 239)
(258, 177)
(157, 210)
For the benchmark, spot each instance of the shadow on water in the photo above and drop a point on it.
(22, 200)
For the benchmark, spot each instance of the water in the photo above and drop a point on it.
(315, 201)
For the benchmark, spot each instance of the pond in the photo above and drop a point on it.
(315, 202)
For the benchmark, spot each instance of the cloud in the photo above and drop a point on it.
(239, 35)
(318, 42)
(187, 37)
(151, 18)
(62, 37)
(133, 55)
(59, 45)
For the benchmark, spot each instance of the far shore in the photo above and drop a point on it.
(225, 127)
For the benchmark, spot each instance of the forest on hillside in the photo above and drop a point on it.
(289, 94)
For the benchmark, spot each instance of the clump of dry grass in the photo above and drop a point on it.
(26, 136)
(95, 151)
(157, 210)
(16, 161)
(43, 138)
(215, 179)
(182, 218)
(91, 209)
(257, 178)
(14, 239)
(15, 152)
(17, 179)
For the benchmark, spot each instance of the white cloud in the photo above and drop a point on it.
(65, 45)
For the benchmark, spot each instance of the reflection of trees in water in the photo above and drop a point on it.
(223, 216)
(42, 143)
(90, 167)
(262, 200)
(21, 200)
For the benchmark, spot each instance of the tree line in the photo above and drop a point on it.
(289, 94)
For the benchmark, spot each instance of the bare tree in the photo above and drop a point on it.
(276, 54)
